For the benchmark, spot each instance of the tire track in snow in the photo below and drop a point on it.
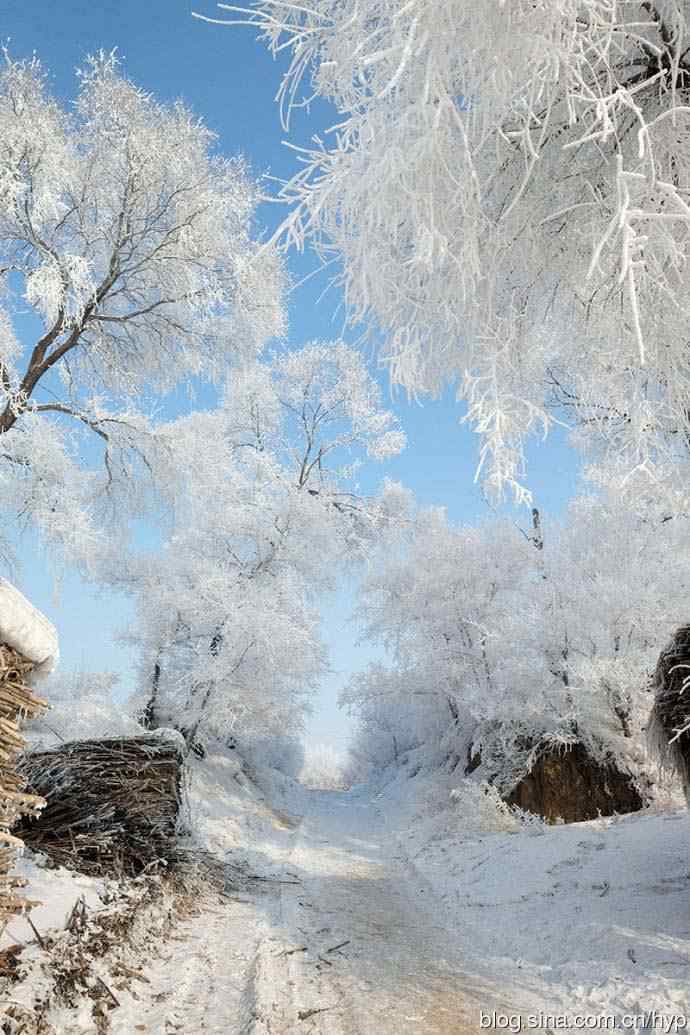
(399, 971)
(354, 947)
(203, 981)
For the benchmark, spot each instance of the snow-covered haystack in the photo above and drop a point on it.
(113, 803)
(669, 726)
(567, 782)
(558, 774)
(28, 647)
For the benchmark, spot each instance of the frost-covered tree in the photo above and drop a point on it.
(83, 705)
(495, 644)
(507, 186)
(396, 712)
(265, 512)
(323, 768)
(128, 268)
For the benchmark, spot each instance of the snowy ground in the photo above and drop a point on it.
(56, 892)
(389, 910)
(325, 929)
(589, 918)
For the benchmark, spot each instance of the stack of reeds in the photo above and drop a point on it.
(17, 703)
(668, 730)
(112, 806)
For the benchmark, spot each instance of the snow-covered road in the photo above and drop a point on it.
(350, 944)
(398, 969)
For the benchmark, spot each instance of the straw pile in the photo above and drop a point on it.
(668, 731)
(17, 703)
(112, 804)
(568, 783)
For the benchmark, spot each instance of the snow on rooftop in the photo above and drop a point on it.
(25, 629)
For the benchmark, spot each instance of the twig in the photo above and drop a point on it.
(303, 1015)
(340, 945)
(291, 952)
(271, 880)
(329, 963)
(33, 927)
(110, 993)
(77, 918)
(135, 974)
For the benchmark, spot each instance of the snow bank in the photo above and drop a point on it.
(28, 631)
(590, 916)
(237, 811)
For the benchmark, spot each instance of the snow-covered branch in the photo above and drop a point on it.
(506, 186)
(130, 239)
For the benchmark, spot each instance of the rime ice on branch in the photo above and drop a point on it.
(228, 628)
(507, 186)
(130, 239)
(28, 648)
(497, 648)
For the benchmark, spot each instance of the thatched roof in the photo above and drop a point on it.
(27, 631)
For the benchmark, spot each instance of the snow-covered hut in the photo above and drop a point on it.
(28, 650)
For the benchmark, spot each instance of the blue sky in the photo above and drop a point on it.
(230, 80)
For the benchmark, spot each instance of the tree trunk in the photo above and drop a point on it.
(149, 717)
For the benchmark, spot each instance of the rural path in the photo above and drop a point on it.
(343, 938)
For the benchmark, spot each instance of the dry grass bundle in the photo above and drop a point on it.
(112, 804)
(17, 703)
(568, 783)
(669, 727)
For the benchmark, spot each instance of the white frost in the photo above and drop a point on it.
(28, 631)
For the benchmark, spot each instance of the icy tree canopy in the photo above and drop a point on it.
(507, 186)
